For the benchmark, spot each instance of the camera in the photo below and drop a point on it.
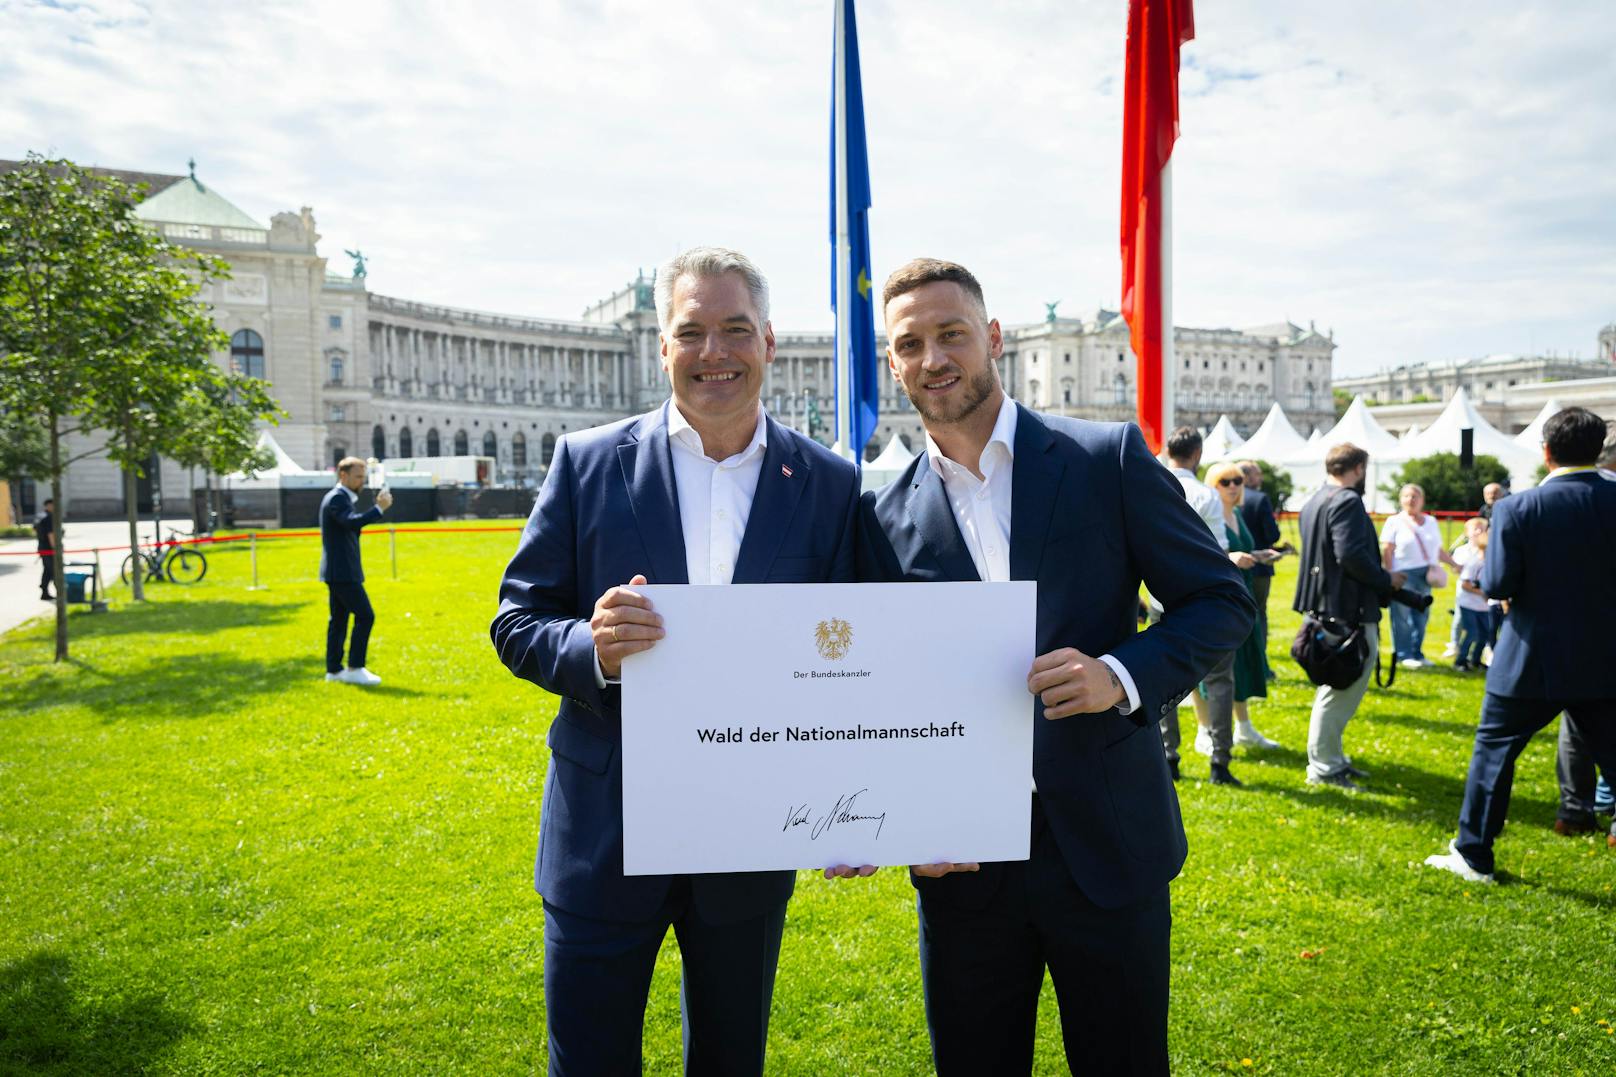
(1412, 599)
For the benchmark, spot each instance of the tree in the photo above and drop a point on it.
(1342, 399)
(1447, 486)
(219, 426)
(89, 296)
(24, 452)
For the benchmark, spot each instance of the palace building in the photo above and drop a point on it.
(365, 374)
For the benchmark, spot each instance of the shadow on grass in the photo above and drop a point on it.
(183, 686)
(1465, 724)
(1430, 791)
(44, 1028)
(158, 616)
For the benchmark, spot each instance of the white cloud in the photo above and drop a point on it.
(1428, 181)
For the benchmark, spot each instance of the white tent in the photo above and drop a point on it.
(1531, 439)
(1359, 426)
(1223, 441)
(1411, 433)
(1443, 435)
(1315, 435)
(283, 473)
(1276, 439)
(887, 466)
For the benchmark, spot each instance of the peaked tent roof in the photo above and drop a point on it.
(1276, 440)
(1532, 437)
(892, 458)
(1411, 433)
(1359, 426)
(189, 202)
(1315, 435)
(1222, 441)
(1443, 436)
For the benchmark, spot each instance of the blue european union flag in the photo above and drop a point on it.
(849, 155)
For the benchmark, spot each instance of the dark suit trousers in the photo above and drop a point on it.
(983, 969)
(47, 573)
(1261, 585)
(348, 599)
(1506, 725)
(597, 976)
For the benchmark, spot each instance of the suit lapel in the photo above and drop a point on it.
(1034, 485)
(773, 505)
(933, 518)
(647, 464)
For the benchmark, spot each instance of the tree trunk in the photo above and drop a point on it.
(58, 575)
(131, 504)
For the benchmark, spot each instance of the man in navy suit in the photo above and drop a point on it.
(706, 489)
(1258, 513)
(1549, 557)
(1005, 493)
(344, 575)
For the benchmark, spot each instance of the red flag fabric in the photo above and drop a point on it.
(1156, 29)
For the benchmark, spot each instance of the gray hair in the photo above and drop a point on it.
(1607, 452)
(709, 262)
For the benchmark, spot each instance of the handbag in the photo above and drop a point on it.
(1329, 651)
(1435, 574)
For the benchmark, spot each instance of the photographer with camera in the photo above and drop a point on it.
(1340, 589)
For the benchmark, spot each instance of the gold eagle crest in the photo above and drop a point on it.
(833, 638)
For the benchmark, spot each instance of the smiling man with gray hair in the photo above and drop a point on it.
(706, 489)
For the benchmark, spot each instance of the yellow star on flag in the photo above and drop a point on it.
(864, 284)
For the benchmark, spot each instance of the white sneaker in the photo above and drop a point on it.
(1450, 651)
(1246, 735)
(360, 676)
(1412, 663)
(1203, 739)
(1454, 862)
(333, 676)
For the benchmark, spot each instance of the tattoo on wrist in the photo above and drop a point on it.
(1115, 683)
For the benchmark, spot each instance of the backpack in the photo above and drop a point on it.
(1329, 651)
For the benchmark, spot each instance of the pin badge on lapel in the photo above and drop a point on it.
(786, 471)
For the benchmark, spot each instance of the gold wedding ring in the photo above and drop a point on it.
(614, 635)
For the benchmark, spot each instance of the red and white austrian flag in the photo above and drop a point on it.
(786, 471)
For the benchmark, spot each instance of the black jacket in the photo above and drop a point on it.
(340, 525)
(1341, 574)
(42, 531)
(1258, 512)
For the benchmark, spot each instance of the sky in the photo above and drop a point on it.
(1431, 181)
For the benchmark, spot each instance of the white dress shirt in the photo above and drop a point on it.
(715, 501)
(1206, 503)
(982, 511)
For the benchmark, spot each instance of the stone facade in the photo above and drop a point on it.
(1489, 380)
(368, 374)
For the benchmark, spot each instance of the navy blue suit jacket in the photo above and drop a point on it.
(609, 510)
(1258, 512)
(1550, 554)
(1092, 515)
(340, 525)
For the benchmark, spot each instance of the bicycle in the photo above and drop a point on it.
(168, 560)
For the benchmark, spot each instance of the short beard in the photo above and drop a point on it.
(978, 390)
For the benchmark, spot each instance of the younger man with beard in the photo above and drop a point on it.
(1081, 507)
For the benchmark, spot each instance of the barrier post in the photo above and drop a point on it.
(252, 549)
(392, 542)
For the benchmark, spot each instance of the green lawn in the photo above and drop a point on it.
(211, 861)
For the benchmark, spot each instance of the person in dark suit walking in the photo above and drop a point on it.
(1258, 513)
(344, 575)
(44, 532)
(1341, 578)
(1549, 558)
(706, 489)
(1005, 493)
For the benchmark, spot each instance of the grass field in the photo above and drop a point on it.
(212, 861)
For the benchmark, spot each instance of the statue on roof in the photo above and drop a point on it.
(1049, 310)
(358, 263)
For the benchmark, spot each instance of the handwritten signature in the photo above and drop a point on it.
(843, 812)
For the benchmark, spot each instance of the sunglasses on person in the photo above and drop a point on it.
(1231, 482)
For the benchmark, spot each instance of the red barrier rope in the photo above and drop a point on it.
(265, 535)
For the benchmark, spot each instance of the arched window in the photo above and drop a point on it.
(519, 451)
(406, 442)
(490, 444)
(1119, 389)
(337, 366)
(462, 445)
(432, 446)
(247, 353)
(547, 449)
(378, 442)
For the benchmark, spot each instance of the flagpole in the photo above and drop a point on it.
(844, 244)
(1169, 374)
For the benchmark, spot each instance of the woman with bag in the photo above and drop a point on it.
(1411, 543)
(1250, 671)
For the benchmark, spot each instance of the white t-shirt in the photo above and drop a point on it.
(1471, 573)
(1406, 541)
